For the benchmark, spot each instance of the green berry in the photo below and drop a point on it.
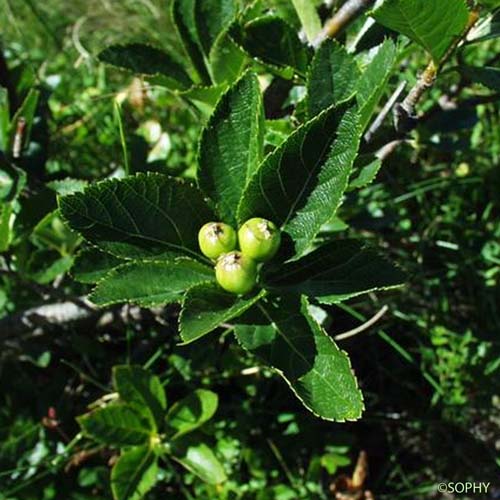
(216, 238)
(236, 273)
(259, 239)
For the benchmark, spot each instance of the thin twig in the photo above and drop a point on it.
(364, 326)
(377, 123)
(342, 18)
(405, 118)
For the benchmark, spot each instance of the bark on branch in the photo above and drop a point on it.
(342, 18)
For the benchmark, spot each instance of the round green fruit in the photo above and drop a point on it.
(236, 273)
(216, 238)
(259, 239)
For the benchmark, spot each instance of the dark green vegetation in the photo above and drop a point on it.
(127, 126)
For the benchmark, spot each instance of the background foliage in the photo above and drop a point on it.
(429, 369)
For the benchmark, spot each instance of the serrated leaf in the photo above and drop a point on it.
(372, 84)
(299, 186)
(67, 186)
(199, 459)
(309, 17)
(149, 61)
(365, 174)
(274, 42)
(150, 283)
(134, 474)
(91, 265)
(336, 272)
(487, 76)
(183, 16)
(141, 390)
(144, 216)
(212, 17)
(433, 24)
(285, 336)
(227, 60)
(116, 425)
(231, 146)
(207, 306)
(191, 412)
(205, 95)
(332, 77)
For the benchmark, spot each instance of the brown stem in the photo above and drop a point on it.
(342, 18)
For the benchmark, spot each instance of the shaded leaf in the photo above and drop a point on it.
(332, 77)
(25, 112)
(207, 306)
(4, 119)
(183, 16)
(487, 76)
(150, 283)
(91, 265)
(231, 146)
(433, 24)
(191, 412)
(271, 40)
(212, 17)
(134, 474)
(147, 215)
(12, 180)
(284, 335)
(337, 271)
(141, 390)
(116, 425)
(149, 61)
(6, 211)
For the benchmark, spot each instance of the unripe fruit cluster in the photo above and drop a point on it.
(236, 271)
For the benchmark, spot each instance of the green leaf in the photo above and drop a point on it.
(199, 459)
(183, 16)
(336, 272)
(487, 76)
(301, 183)
(26, 112)
(372, 84)
(309, 18)
(6, 210)
(142, 391)
(227, 60)
(149, 61)
(212, 17)
(150, 283)
(207, 306)
(231, 145)
(91, 265)
(191, 412)
(134, 474)
(12, 180)
(274, 42)
(4, 119)
(116, 425)
(144, 216)
(365, 174)
(332, 77)
(67, 186)
(433, 24)
(486, 29)
(285, 336)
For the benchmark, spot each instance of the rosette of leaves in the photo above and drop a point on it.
(143, 231)
(140, 424)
